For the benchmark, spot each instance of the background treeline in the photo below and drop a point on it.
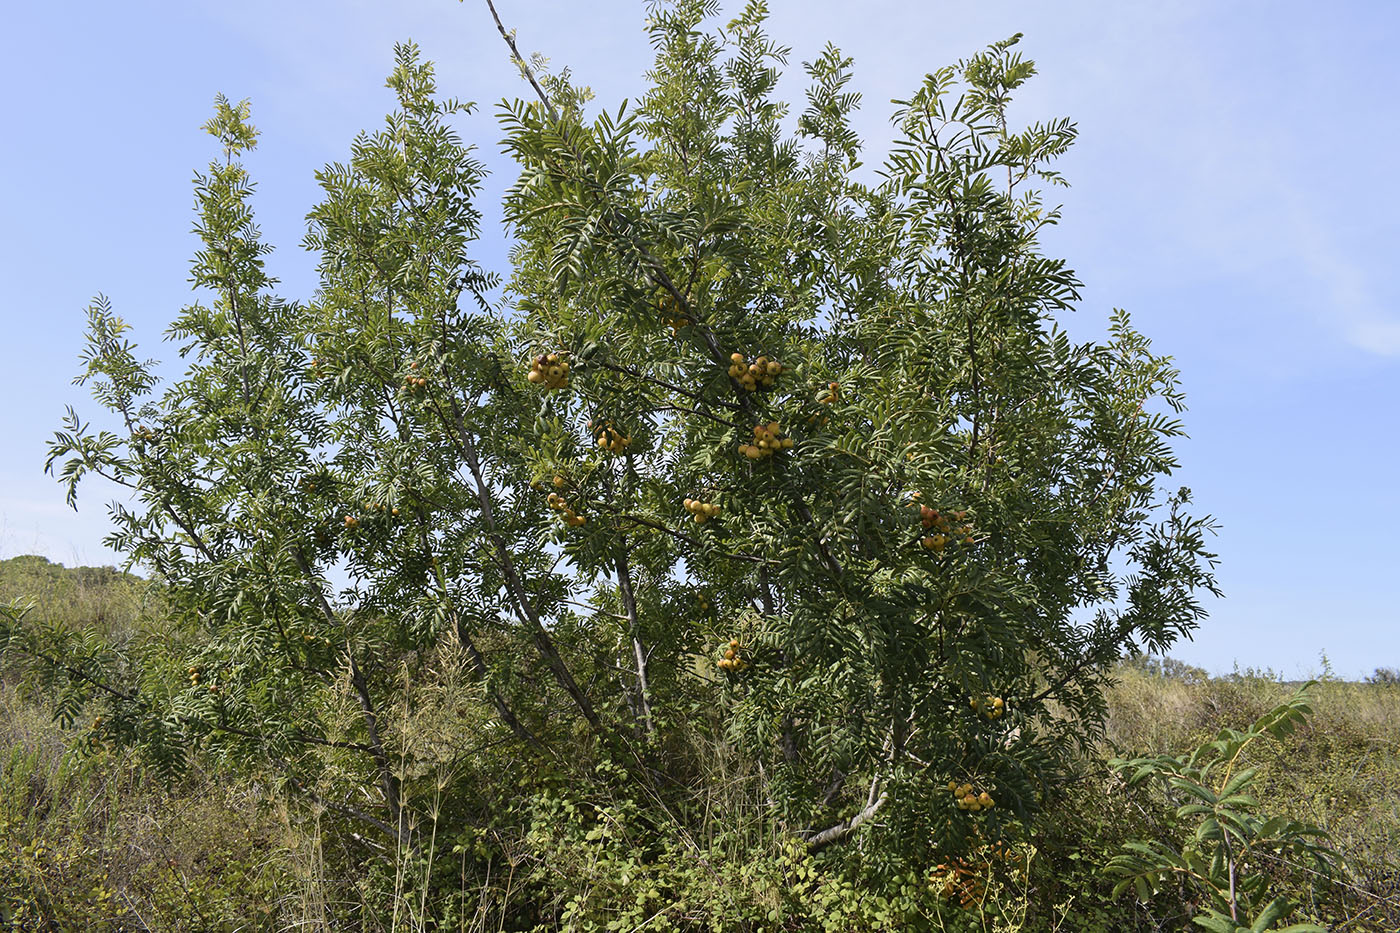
(90, 837)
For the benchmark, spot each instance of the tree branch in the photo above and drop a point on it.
(846, 827)
(524, 66)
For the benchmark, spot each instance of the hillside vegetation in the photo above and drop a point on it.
(756, 548)
(91, 836)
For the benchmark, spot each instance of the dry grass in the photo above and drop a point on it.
(1340, 771)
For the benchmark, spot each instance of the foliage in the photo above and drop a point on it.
(1227, 841)
(87, 837)
(75, 809)
(847, 517)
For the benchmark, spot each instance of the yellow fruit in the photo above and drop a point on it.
(953, 785)
(737, 357)
(733, 642)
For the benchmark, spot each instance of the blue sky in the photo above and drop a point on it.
(1232, 188)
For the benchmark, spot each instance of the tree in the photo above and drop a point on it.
(758, 459)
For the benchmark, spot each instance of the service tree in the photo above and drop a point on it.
(765, 470)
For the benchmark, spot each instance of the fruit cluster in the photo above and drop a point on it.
(969, 798)
(942, 525)
(414, 384)
(194, 676)
(611, 439)
(761, 372)
(731, 660)
(704, 602)
(703, 511)
(831, 395)
(550, 370)
(351, 523)
(671, 314)
(560, 505)
(766, 442)
(991, 707)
